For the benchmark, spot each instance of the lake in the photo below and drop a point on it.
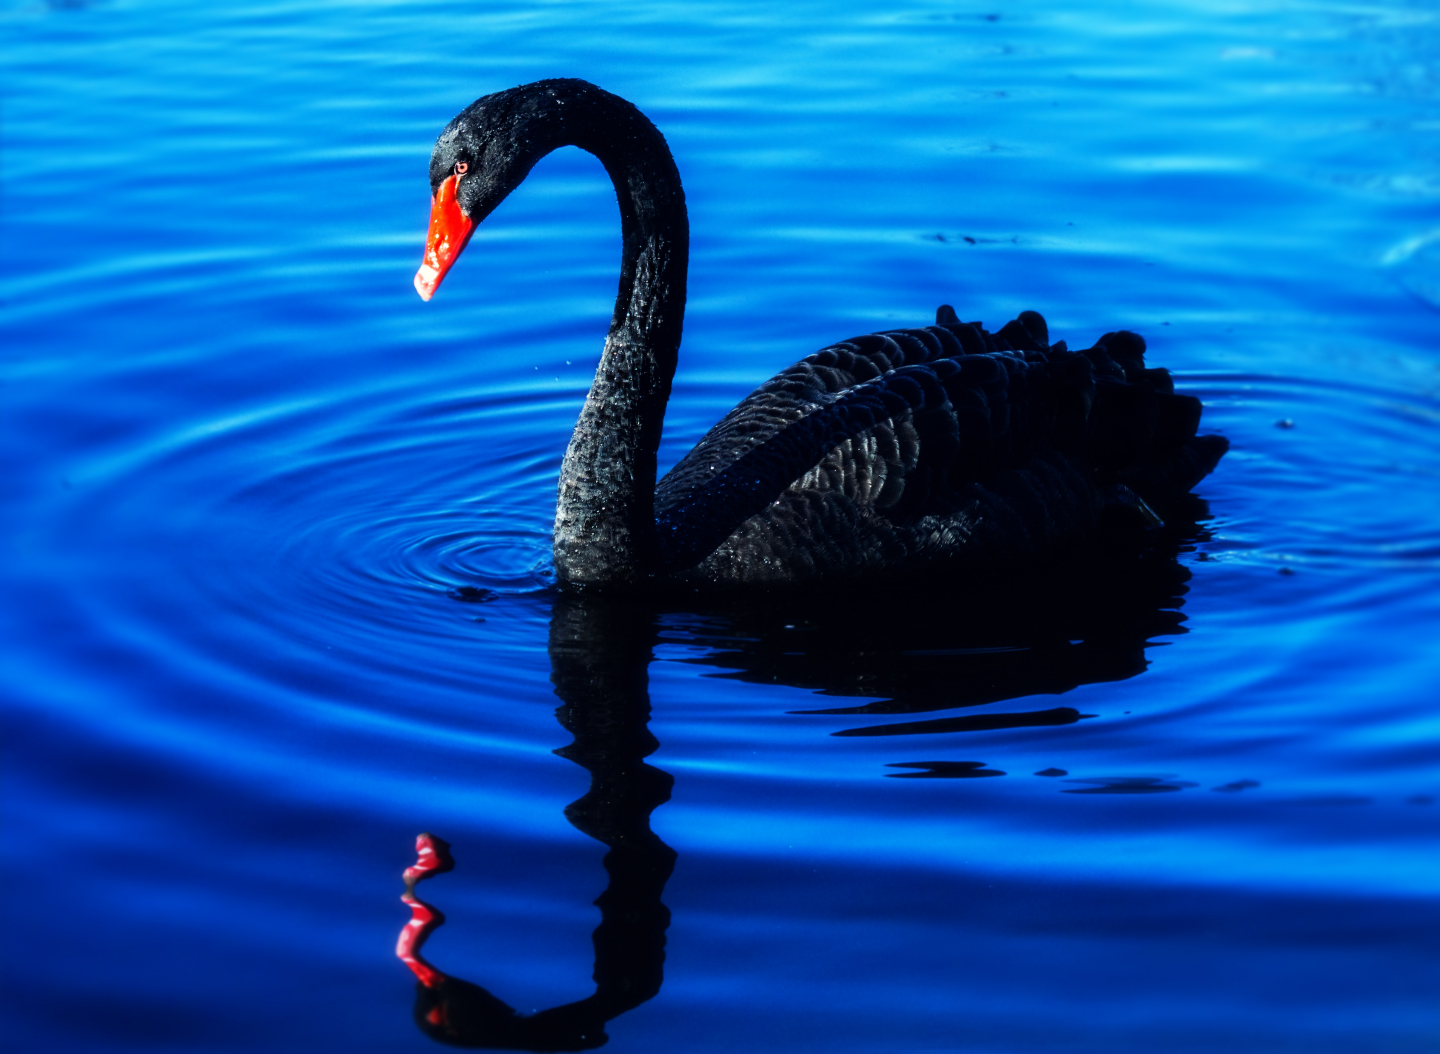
(277, 594)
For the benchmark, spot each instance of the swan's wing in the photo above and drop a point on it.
(875, 416)
(805, 387)
(1002, 442)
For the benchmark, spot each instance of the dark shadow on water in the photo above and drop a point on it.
(930, 649)
(942, 770)
(1085, 620)
(1128, 785)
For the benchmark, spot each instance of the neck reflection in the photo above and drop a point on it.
(600, 653)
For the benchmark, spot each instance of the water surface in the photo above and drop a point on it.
(246, 472)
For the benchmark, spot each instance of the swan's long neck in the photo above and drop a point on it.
(605, 516)
(605, 513)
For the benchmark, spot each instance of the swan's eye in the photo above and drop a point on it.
(461, 167)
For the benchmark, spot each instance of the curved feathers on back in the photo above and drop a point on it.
(909, 424)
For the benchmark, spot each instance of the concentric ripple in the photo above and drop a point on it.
(343, 527)
(1323, 474)
(426, 500)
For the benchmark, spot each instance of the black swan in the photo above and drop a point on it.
(945, 449)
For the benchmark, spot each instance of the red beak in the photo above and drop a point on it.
(450, 230)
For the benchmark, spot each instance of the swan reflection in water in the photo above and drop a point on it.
(1085, 624)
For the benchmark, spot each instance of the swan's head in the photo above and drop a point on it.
(481, 156)
(453, 214)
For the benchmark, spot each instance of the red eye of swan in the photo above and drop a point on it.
(461, 167)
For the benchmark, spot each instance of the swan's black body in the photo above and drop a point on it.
(915, 451)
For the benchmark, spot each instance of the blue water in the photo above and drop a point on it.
(245, 466)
